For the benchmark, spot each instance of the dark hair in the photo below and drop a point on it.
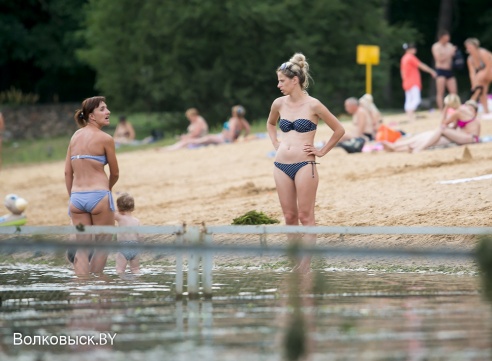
(122, 118)
(88, 105)
(407, 46)
(125, 203)
(441, 33)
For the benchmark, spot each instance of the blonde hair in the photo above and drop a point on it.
(239, 111)
(125, 203)
(191, 111)
(473, 103)
(367, 101)
(452, 101)
(473, 41)
(296, 66)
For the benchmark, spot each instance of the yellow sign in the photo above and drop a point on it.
(368, 54)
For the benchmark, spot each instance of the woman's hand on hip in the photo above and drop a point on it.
(310, 149)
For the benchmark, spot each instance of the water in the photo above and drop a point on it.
(329, 314)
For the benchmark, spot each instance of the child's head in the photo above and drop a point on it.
(452, 101)
(125, 203)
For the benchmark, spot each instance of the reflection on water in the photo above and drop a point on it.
(254, 315)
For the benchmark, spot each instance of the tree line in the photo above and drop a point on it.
(164, 55)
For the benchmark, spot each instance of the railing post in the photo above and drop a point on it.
(179, 265)
(192, 238)
(207, 265)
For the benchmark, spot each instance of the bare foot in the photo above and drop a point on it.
(388, 146)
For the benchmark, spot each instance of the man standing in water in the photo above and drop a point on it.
(443, 52)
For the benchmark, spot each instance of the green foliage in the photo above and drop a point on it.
(254, 217)
(172, 55)
(34, 151)
(38, 45)
(168, 124)
(484, 258)
(17, 97)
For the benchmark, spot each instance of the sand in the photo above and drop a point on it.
(215, 184)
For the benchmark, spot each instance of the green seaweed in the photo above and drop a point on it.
(254, 217)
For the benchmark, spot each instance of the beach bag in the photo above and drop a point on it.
(458, 60)
(385, 133)
(353, 145)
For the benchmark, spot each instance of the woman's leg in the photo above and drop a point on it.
(287, 196)
(102, 215)
(307, 186)
(484, 99)
(81, 263)
(458, 136)
(431, 140)
(407, 144)
(481, 80)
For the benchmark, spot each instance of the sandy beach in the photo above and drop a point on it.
(215, 184)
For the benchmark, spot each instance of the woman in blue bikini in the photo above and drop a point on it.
(88, 186)
(298, 114)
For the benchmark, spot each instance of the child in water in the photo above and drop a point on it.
(124, 218)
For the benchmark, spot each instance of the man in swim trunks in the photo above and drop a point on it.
(443, 52)
(363, 125)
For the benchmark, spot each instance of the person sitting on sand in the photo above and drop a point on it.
(235, 127)
(460, 127)
(124, 132)
(367, 102)
(353, 140)
(361, 119)
(197, 129)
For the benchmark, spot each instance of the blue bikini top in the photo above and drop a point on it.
(299, 125)
(100, 158)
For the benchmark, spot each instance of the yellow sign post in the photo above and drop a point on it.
(369, 55)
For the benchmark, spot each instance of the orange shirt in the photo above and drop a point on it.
(410, 74)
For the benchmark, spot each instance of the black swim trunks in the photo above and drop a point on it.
(447, 73)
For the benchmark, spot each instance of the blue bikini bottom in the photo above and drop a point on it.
(292, 169)
(87, 200)
(129, 254)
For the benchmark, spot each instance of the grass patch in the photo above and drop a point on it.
(24, 152)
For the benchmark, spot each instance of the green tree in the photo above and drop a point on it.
(38, 45)
(167, 55)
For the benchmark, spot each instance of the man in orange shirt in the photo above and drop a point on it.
(410, 67)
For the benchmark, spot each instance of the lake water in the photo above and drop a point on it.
(255, 314)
